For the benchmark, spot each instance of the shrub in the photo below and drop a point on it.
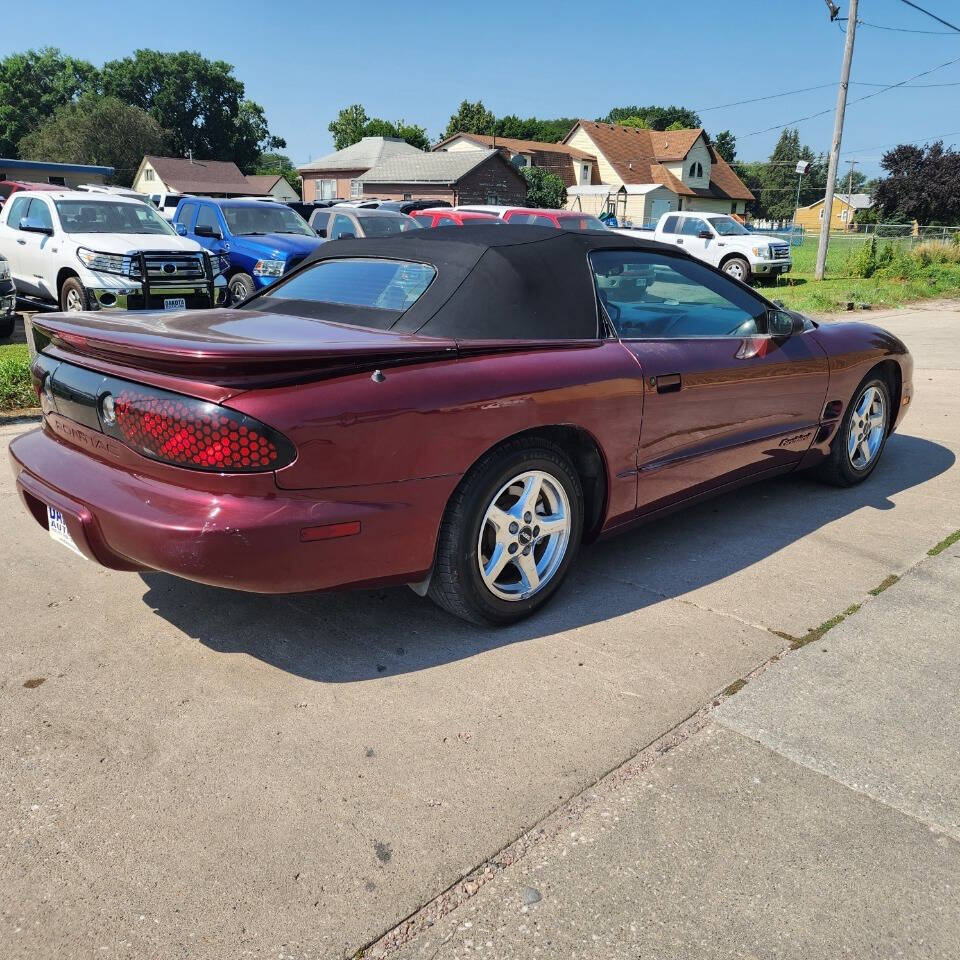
(937, 251)
(865, 262)
(16, 388)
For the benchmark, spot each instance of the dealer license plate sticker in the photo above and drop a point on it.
(59, 532)
(175, 303)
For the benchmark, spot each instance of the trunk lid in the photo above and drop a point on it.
(233, 347)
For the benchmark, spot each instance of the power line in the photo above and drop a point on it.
(929, 33)
(897, 143)
(932, 16)
(868, 96)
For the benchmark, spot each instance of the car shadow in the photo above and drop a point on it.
(357, 635)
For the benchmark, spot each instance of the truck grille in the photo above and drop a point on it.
(175, 268)
(780, 251)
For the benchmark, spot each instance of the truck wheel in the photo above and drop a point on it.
(738, 268)
(241, 287)
(73, 297)
(6, 326)
(509, 535)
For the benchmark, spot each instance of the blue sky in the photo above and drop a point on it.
(417, 60)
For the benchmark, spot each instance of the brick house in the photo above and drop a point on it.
(337, 174)
(572, 165)
(645, 173)
(462, 176)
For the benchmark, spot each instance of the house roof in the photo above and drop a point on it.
(856, 201)
(201, 176)
(441, 167)
(263, 182)
(638, 156)
(10, 164)
(362, 155)
(519, 146)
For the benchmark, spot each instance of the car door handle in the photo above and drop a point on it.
(22, 243)
(668, 383)
(680, 242)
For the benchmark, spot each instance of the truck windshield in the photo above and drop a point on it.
(727, 227)
(265, 217)
(109, 216)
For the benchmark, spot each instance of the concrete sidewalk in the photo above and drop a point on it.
(815, 815)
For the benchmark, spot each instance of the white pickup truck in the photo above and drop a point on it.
(93, 251)
(718, 239)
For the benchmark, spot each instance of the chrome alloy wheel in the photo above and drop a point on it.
(74, 301)
(868, 425)
(524, 535)
(734, 269)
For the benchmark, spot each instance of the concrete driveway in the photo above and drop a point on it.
(189, 772)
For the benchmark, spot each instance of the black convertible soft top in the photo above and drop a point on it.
(495, 282)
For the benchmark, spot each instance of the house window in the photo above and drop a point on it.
(326, 189)
(148, 174)
(821, 213)
(57, 181)
(493, 200)
(843, 216)
(356, 188)
(696, 170)
(585, 173)
(408, 196)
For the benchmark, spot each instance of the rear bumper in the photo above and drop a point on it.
(124, 520)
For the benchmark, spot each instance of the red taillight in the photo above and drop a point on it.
(191, 433)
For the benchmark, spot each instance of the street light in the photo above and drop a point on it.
(802, 167)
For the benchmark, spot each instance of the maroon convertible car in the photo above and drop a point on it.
(456, 410)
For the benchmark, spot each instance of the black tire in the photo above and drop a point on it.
(241, 287)
(738, 268)
(456, 584)
(73, 296)
(7, 325)
(839, 468)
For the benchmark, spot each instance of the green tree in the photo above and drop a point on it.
(921, 183)
(777, 187)
(282, 164)
(532, 128)
(199, 101)
(544, 189)
(471, 118)
(659, 118)
(348, 128)
(676, 125)
(725, 143)
(353, 124)
(97, 130)
(32, 85)
(641, 123)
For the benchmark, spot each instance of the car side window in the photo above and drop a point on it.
(670, 225)
(17, 211)
(207, 217)
(185, 214)
(659, 297)
(342, 225)
(319, 221)
(40, 212)
(692, 226)
(445, 222)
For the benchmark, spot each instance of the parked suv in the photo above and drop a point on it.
(85, 251)
(8, 300)
(261, 241)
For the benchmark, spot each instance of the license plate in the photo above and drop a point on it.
(174, 303)
(59, 532)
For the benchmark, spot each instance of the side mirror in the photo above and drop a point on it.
(29, 225)
(705, 235)
(783, 324)
(181, 228)
(205, 230)
(321, 231)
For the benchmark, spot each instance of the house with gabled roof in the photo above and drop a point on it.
(459, 176)
(207, 178)
(338, 174)
(573, 166)
(645, 173)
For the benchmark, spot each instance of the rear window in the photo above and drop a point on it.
(393, 285)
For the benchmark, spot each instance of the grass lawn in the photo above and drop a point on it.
(799, 291)
(16, 390)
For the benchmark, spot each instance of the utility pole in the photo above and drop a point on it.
(837, 138)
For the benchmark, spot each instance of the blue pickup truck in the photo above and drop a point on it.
(261, 240)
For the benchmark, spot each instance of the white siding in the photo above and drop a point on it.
(698, 154)
(461, 143)
(156, 185)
